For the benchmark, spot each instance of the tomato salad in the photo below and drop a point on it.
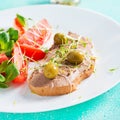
(19, 45)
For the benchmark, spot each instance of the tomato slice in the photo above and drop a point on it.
(32, 40)
(3, 57)
(21, 78)
(32, 52)
(19, 27)
(21, 64)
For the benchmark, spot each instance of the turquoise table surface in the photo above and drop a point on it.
(103, 107)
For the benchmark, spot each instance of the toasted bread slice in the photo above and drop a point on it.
(46, 90)
(69, 77)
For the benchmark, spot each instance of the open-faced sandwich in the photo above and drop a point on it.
(69, 61)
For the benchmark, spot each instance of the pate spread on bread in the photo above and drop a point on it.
(69, 61)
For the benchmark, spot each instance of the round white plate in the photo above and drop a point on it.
(105, 34)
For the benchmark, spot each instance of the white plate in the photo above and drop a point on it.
(105, 34)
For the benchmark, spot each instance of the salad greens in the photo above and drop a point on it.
(2, 78)
(8, 70)
(13, 34)
(12, 50)
(3, 66)
(3, 85)
(11, 72)
(7, 40)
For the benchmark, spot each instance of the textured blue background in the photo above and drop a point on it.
(105, 106)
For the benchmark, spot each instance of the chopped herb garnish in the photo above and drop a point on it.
(113, 69)
(74, 44)
(83, 43)
(30, 19)
(94, 71)
(61, 52)
(46, 51)
(52, 59)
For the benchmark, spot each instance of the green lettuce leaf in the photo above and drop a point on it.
(13, 34)
(3, 66)
(3, 85)
(11, 72)
(2, 78)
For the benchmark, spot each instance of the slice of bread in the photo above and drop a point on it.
(69, 77)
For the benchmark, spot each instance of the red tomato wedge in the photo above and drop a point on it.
(23, 74)
(32, 40)
(21, 64)
(32, 52)
(3, 57)
(19, 27)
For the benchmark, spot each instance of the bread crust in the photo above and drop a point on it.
(60, 90)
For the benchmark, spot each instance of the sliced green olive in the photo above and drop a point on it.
(50, 70)
(75, 57)
(59, 39)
